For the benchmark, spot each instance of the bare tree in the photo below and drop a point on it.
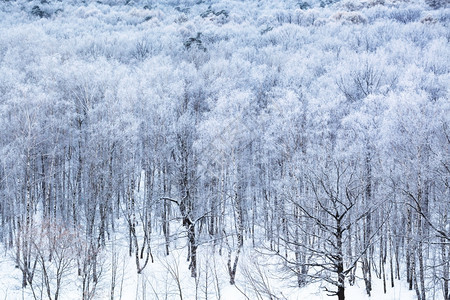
(336, 209)
(54, 252)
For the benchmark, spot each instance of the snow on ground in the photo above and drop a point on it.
(168, 277)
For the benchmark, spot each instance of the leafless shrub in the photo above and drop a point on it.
(259, 281)
(428, 20)
(52, 251)
(349, 18)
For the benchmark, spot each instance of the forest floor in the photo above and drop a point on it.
(168, 277)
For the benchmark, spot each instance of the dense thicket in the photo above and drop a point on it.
(318, 134)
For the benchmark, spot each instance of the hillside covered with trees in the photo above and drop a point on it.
(193, 149)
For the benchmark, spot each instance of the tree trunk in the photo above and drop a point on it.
(391, 265)
(446, 268)
(193, 247)
(340, 293)
(409, 258)
(340, 260)
(367, 258)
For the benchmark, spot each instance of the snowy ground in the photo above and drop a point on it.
(168, 278)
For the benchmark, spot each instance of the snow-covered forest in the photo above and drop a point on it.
(224, 149)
